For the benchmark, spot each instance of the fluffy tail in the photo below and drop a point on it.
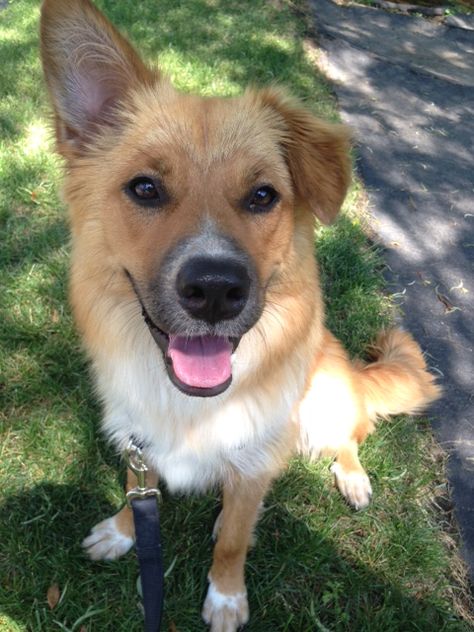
(397, 380)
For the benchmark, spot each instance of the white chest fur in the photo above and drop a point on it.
(193, 442)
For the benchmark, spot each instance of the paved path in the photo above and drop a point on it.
(406, 85)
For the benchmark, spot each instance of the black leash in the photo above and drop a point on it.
(148, 545)
(144, 503)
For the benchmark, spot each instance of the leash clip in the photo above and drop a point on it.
(133, 456)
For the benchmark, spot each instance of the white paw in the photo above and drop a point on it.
(106, 542)
(225, 613)
(354, 486)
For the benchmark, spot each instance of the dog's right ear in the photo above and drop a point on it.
(317, 154)
(89, 69)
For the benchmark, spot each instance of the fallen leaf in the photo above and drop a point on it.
(422, 279)
(53, 596)
(459, 286)
(449, 307)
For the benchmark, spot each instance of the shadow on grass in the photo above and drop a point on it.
(395, 91)
(297, 579)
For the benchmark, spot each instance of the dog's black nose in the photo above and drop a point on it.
(213, 289)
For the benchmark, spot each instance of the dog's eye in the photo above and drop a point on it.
(262, 199)
(146, 191)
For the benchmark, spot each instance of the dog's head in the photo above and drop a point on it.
(194, 201)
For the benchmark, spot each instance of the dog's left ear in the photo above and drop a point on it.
(317, 154)
(89, 68)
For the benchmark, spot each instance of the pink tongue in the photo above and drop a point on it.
(202, 361)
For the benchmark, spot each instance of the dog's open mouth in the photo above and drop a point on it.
(197, 365)
(201, 363)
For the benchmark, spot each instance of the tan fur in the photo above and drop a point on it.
(396, 381)
(293, 383)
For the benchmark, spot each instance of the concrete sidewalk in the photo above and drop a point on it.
(406, 86)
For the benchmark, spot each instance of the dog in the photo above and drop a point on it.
(195, 287)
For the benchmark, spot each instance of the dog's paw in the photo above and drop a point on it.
(106, 541)
(354, 486)
(225, 613)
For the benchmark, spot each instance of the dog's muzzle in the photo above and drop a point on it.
(197, 310)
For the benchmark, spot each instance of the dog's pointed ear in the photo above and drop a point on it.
(317, 154)
(89, 68)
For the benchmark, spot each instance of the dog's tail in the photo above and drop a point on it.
(397, 380)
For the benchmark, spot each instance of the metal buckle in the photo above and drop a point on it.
(134, 459)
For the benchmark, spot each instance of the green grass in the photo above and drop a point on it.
(318, 565)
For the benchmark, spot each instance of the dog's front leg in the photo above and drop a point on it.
(226, 607)
(114, 536)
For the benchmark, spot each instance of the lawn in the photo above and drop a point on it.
(318, 565)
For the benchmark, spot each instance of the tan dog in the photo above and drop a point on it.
(195, 287)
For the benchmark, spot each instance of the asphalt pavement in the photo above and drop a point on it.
(406, 86)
